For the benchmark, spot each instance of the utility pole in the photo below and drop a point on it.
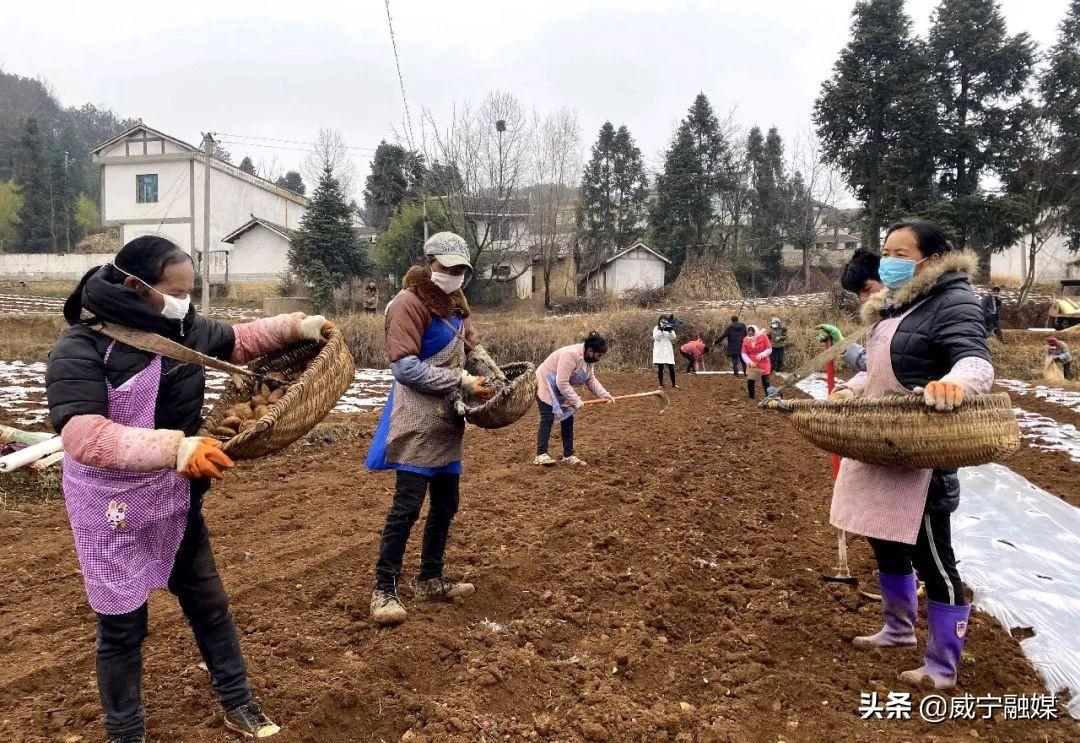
(208, 151)
(425, 220)
(67, 211)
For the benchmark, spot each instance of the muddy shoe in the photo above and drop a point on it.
(573, 460)
(386, 608)
(249, 721)
(441, 589)
(544, 460)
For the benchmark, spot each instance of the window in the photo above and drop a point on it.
(850, 245)
(500, 272)
(146, 189)
(501, 231)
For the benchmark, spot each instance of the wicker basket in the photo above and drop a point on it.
(319, 375)
(904, 432)
(507, 407)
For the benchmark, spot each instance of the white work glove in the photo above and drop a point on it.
(610, 398)
(314, 328)
(481, 354)
(841, 393)
(761, 355)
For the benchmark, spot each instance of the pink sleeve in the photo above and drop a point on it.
(566, 366)
(260, 337)
(856, 384)
(975, 375)
(96, 441)
(595, 387)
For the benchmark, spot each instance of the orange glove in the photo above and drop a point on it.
(943, 395)
(843, 393)
(474, 386)
(200, 457)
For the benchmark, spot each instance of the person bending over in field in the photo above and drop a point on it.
(566, 368)
(136, 472)
(429, 332)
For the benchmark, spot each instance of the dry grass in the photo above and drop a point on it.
(28, 337)
(39, 288)
(628, 332)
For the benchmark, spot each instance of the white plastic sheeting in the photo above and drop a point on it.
(1018, 547)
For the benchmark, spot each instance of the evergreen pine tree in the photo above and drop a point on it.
(697, 173)
(247, 166)
(875, 115)
(980, 74)
(613, 210)
(1060, 89)
(326, 252)
(397, 175)
(769, 202)
(292, 181)
(32, 178)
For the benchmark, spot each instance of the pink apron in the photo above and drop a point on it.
(127, 525)
(868, 499)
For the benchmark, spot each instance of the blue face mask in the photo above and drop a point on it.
(895, 272)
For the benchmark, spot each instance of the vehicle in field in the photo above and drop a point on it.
(1065, 309)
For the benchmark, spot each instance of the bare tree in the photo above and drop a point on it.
(556, 166)
(815, 192)
(330, 151)
(270, 168)
(488, 146)
(1046, 185)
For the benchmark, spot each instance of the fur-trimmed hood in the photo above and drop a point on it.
(418, 281)
(952, 266)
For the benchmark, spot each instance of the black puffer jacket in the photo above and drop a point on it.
(945, 327)
(75, 380)
(733, 335)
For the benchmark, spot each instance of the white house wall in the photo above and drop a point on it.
(638, 269)
(258, 254)
(1052, 263)
(173, 206)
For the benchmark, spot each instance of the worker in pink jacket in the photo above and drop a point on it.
(566, 368)
(694, 352)
(756, 350)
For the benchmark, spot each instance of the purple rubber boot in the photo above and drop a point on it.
(948, 627)
(899, 606)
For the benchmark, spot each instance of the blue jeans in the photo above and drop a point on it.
(547, 420)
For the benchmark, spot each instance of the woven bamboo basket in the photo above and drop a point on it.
(319, 375)
(509, 405)
(904, 432)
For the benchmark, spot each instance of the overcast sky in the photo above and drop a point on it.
(285, 69)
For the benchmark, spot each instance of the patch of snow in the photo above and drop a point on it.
(1067, 398)
(1046, 433)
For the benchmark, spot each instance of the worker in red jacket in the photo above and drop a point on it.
(694, 353)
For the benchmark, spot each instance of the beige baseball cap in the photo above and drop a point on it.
(449, 249)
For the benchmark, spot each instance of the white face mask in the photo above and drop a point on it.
(174, 309)
(446, 282)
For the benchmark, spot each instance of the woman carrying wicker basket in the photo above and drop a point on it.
(428, 334)
(928, 337)
(135, 474)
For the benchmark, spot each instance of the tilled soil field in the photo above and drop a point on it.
(669, 591)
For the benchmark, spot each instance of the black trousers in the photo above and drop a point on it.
(689, 361)
(993, 327)
(660, 373)
(931, 555)
(196, 584)
(404, 511)
(737, 366)
(777, 358)
(566, 428)
(765, 383)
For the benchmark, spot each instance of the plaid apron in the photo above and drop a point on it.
(868, 499)
(127, 525)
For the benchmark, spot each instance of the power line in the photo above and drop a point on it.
(401, 79)
(286, 141)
